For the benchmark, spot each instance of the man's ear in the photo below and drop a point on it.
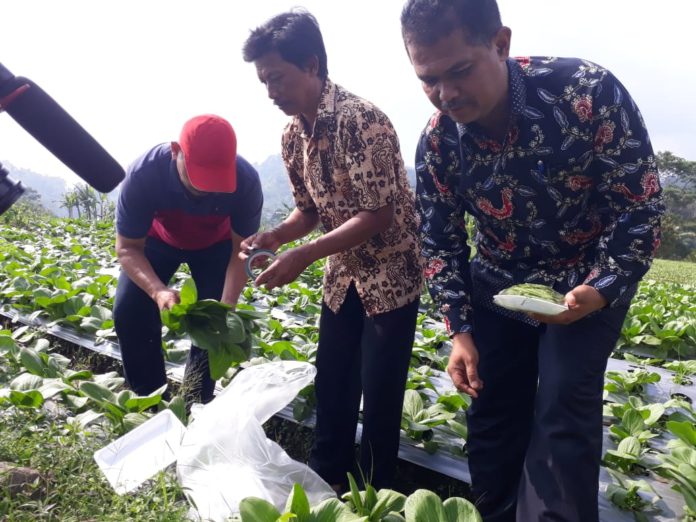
(175, 149)
(501, 42)
(312, 65)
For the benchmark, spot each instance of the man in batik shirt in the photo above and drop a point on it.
(552, 159)
(342, 155)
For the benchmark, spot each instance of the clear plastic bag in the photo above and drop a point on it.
(225, 455)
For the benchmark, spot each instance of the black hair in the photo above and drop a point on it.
(426, 21)
(295, 35)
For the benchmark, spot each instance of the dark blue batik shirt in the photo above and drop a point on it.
(572, 196)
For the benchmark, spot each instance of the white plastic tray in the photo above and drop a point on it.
(132, 459)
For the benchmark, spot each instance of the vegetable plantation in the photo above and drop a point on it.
(61, 277)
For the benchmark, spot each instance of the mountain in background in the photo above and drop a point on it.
(274, 183)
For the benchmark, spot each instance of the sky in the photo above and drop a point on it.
(132, 72)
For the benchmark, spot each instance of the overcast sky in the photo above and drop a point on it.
(131, 72)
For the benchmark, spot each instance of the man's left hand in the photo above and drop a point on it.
(581, 300)
(285, 268)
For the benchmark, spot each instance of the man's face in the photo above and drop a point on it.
(178, 155)
(287, 85)
(465, 81)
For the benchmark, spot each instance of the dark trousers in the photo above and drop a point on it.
(535, 432)
(139, 328)
(368, 355)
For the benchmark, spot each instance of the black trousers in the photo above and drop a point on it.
(535, 432)
(139, 328)
(368, 355)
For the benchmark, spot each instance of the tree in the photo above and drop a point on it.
(676, 170)
(87, 201)
(69, 201)
(679, 222)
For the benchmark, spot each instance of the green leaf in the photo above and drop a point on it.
(424, 506)
(633, 422)
(453, 402)
(219, 361)
(178, 406)
(629, 446)
(254, 509)
(355, 496)
(684, 430)
(133, 420)
(236, 332)
(460, 510)
(26, 381)
(97, 392)
(331, 510)
(52, 387)
(298, 503)
(30, 399)
(32, 361)
(85, 419)
(188, 293)
(388, 501)
(413, 403)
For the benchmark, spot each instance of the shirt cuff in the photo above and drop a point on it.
(455, 323)
(608, 284)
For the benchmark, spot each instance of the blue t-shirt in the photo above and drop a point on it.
(153, 202)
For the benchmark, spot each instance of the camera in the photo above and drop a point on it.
(10, 190)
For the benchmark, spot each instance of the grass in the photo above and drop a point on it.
(666, 271)
(73, 488)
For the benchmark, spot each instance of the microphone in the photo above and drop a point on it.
(58, 132)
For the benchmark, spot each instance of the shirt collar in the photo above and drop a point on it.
(517, 91)
(326, 110)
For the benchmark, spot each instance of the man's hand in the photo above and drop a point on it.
(166, 298)
(462, 366)
(267, 240)
(581, 300)
(285, 268)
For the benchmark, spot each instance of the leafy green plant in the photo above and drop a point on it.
(682, 371)
(680, 466)
(627, 457)
(212, 326)
(418, 421)
(426, 506)
(535, 291)
(636, 496)
(373, 506)
(254, 509)
(629, 382)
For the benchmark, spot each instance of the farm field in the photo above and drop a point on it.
(63, 275)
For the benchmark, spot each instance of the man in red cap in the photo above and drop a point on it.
(191, 201)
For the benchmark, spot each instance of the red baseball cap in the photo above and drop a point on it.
(209, 145)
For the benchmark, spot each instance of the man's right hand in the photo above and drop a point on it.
(463, 362)
(166, 298)
(266, 240)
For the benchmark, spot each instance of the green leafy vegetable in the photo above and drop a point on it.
(536, 291)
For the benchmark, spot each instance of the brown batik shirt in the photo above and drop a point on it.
(350, 163)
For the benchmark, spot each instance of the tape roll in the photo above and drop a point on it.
(261, 252)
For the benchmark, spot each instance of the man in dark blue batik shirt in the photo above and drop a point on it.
(191, 201)
(552, 159)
